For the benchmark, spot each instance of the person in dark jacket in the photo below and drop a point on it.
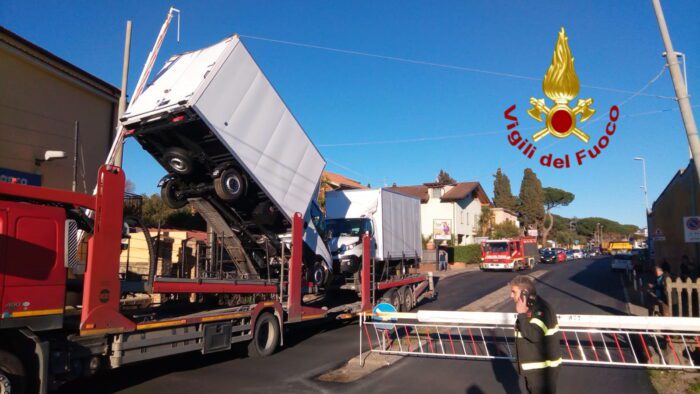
(537, 339)
(657, 294)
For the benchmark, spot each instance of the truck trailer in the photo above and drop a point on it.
(58, 324)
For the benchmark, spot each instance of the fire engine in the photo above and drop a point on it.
(512, 254)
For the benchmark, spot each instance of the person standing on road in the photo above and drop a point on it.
(442, 260)
(537, 337)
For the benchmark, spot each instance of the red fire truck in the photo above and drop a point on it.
(510, 254)
(59, 323)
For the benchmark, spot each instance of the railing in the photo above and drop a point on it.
(629, 341)
(684, 295)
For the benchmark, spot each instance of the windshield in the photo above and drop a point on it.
(497, 247)
(348, 227)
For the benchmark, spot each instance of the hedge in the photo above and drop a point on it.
(464, 254)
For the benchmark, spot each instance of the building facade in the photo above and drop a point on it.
(452, 208)
(41, 98)
(667, 238)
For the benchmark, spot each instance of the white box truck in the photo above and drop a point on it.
(232, 148)
(392, 220)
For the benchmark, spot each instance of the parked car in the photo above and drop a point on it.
(561, 255)
(569, 254)
(578, 254)
(621, 262)
(549, 256)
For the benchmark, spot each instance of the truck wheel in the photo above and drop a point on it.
(392, 297)
(169, 195)
(229, 185)
(266, 336)
(178, 160)
(13, 378)
(321, 275)
(407, 298)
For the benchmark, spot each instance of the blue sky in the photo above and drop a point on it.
(435, 117)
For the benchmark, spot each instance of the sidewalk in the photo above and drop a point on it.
(451, 270)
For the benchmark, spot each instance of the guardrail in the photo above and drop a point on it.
(627, 341)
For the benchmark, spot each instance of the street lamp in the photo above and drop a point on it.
(644, 186)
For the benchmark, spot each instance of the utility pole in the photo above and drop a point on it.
(119, 152)
(691, 129)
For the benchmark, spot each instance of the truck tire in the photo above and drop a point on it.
(13, 378)
(392, 297)
(167, 193)
(266, 336)
(229, 185)
(407, 297)
(178, 161)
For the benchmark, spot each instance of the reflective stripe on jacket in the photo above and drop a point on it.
(537, 338)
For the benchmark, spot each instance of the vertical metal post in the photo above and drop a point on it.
(691, 129)
(119, 149)
(75, 155)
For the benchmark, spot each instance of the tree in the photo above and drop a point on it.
(502, 196)
(506, 229)
(129, 186)
(325, 186)
(553, 198)
(485, 221)
(444, 178)
(155, 213)
(531, 207)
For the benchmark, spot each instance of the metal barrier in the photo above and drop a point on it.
(626, 341)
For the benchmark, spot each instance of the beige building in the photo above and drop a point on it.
(679, 199)
(176, 252)
(41, 98)
(451, 208)
(502, 215)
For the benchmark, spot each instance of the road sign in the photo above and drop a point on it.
(659, 235)
(691, 228)
(386, 308)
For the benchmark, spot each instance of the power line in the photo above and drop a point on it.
(440, 65)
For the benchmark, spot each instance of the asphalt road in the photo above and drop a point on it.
(584, 286)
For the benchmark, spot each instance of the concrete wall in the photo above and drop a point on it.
(39, 102)
(679, 199)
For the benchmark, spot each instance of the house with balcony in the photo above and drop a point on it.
(449, 210)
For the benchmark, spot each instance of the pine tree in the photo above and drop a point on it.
(502, 196)
(444, 178)
(531, 207)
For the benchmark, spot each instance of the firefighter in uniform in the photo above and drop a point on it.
(537, 339)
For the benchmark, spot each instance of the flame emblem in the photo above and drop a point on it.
(561, 85)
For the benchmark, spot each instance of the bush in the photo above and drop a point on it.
(470, 254)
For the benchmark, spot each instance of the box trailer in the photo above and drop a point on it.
(392, 219)
(231, 147)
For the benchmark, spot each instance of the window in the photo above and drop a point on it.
(467, 218)
(435, 192)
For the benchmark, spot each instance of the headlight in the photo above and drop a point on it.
(343, 248)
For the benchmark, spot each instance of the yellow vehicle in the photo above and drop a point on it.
(619, 247)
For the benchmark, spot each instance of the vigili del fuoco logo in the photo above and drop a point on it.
(561, 85)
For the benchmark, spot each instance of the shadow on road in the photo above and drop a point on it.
(506, 374)
(133, 375)
(590, 277)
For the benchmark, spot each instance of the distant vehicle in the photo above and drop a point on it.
(569, 254)
(561, 254)
(578, 254)
(549, 256)
(621, 262)
(509, 254)
(623, 247)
